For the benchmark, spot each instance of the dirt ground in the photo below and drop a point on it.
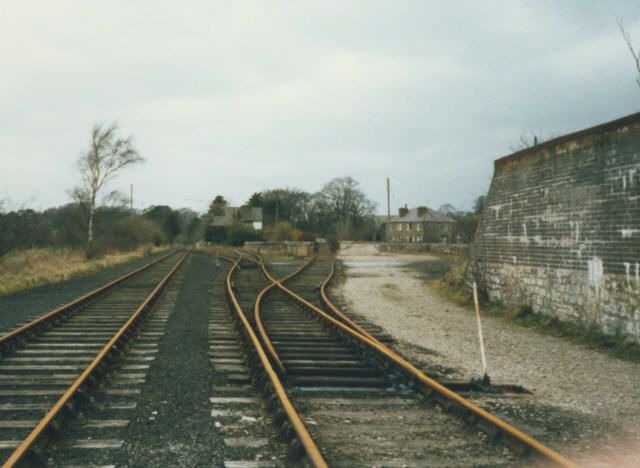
(591, 400)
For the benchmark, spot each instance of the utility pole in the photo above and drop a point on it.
(388, 210)
(131, 197)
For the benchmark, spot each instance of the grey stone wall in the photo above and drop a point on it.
(418, 247)
(561, 229)
(295, 248)
(373, 248)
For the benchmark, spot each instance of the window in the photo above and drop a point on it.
(408, 226)
(399, 227)
(419, 227)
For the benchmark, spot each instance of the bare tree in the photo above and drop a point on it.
(526, 140)
(343, 205)
(635, 54)
(107, 155)
(530, 139)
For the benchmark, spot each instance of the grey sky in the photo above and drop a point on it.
(236, 97)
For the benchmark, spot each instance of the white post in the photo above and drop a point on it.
(475, 300)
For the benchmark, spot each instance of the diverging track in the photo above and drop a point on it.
(342, 395)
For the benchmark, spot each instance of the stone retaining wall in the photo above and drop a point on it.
(561, 229)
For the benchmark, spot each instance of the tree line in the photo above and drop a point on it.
(340, 210)
(115, 228)
(100, 222)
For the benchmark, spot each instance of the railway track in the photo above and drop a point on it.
(236, 405)
(344, 398)
(335, 390)
(52, 367)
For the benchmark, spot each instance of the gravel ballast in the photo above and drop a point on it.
(28, 304)
(173, 425)
(587, 399)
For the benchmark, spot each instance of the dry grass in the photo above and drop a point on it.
(34, 267)
(451, 287)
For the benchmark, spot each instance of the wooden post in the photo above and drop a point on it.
(484, 359)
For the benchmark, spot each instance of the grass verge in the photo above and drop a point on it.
(27, 269)
(450, 286)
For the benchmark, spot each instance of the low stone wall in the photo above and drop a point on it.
(295, 248)
(372, 248)
(568, 294)
(417, 247)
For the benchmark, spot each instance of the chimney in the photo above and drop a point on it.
(403, 211)
(422, 210)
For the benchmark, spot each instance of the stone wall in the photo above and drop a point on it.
(295, 248)
(372, 248)
(561, 229)
(418, 247)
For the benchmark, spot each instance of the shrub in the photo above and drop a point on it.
(333, 242)
(127, 234)
(521, 312)
(239, 233)
(215, 234)
(284, 231)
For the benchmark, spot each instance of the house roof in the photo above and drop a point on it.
(429, 216)
(247, 214)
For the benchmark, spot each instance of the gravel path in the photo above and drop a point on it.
(24, 305)
(599, 393)
(173, 425)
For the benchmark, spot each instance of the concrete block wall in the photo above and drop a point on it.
(561, 229)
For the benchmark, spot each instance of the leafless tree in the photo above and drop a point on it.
(530, 139)
(107, 155)
(635, 54)
(526, 140)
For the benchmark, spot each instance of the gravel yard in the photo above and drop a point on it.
(18, 308)
(597, 395)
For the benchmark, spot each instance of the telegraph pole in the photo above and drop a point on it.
(388, 210)
(131, 197)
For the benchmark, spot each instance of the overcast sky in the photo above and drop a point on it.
(237, 97)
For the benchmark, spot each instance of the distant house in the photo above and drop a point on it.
(420, 224)
(249, 215)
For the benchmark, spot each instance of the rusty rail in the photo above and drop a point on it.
(257, 311)
(7, 339)
(24, 447)
(302, 434)
(337, 312)
(470, 411)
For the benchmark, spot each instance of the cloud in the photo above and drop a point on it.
(236, 97)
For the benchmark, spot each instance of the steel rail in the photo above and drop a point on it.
(58, 312)
(346, 320)
(337, 312)
(302, 434)
(263, 332)
(257, 311)
(40, 428)
(433, 386)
